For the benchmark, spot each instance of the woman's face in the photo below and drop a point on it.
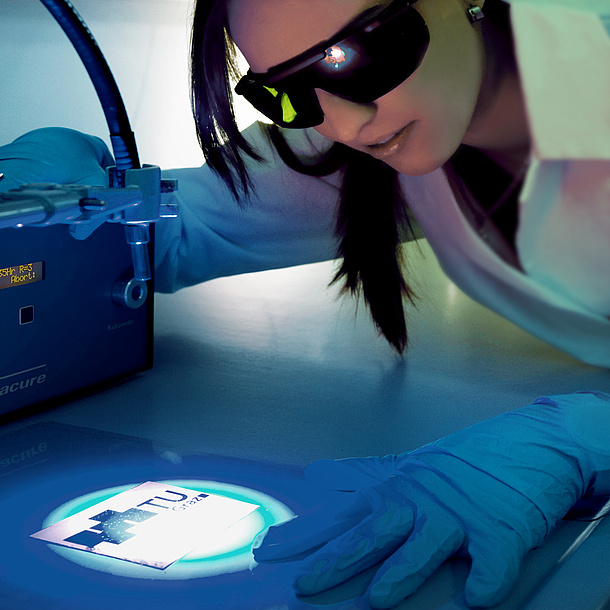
(426, 117)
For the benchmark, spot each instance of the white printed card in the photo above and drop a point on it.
(153, 524)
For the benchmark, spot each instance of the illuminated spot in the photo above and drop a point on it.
(334, 55)
(228, 552)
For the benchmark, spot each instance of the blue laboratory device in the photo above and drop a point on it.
(71, 312)
(76, 306)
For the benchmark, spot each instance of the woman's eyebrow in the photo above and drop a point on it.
(290, 66)
(361, 18)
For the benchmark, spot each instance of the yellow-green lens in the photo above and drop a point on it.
(289, 114)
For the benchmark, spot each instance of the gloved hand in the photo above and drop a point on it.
(54, 154)
(491, 492)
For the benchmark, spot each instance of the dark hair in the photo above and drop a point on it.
(371, 208)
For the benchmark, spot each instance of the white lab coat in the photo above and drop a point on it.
(563, 239)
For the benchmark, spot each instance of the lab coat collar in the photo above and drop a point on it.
(563, 52)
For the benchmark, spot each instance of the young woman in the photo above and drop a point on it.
(496, 140)
(464, 112)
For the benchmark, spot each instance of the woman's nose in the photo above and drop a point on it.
(343, 120)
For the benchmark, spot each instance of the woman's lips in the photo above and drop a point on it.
(390, 145)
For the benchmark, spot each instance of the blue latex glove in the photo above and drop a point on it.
(54, 154)
(491, 492)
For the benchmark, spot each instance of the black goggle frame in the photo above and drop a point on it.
(361, 63)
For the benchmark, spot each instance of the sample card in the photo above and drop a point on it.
(153, 524)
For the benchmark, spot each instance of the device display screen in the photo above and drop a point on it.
(21, 274)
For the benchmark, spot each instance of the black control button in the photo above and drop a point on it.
(26, 315)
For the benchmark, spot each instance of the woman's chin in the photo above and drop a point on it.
(415, 165)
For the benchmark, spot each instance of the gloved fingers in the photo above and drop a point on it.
(435, 538)
(377, 537)
(55, 154)
(314, 528)
(350, 474)
(494, 571)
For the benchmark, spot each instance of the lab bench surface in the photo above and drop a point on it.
(275, 369)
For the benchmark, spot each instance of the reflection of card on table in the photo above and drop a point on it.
(153, 524)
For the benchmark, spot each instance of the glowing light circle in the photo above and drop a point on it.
(229, 553)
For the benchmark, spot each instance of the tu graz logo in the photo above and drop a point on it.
(113, 526)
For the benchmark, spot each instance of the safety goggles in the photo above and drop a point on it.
(361, 63)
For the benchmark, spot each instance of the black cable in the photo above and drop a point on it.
(121, 135)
